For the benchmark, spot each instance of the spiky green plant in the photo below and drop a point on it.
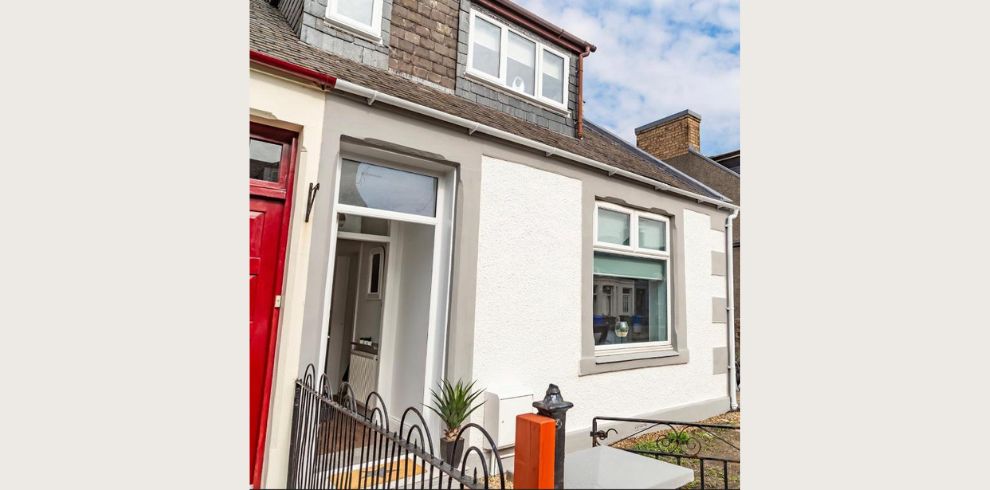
(454, 404)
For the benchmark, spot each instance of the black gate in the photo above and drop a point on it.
(711, 450)
(338, 442)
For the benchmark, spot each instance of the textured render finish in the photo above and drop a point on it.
(529, 277)
(528, 323)
(321, 33)
(676, 136)
(503, 99)
(424, 40)
(718, 263)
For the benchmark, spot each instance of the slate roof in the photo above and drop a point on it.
(270, 34)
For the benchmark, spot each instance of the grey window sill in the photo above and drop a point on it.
(633, 360)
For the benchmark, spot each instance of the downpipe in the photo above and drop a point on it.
(730, 310)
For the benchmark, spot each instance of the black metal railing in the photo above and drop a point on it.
(711, 450)
(339, 443)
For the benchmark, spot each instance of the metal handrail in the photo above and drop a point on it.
(677, 449)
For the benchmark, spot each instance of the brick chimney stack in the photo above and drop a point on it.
(671, 136)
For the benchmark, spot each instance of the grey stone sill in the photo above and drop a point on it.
(633, 360)
(630, 356)
(532, 100)
(353, 31)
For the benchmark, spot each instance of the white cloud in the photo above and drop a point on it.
(656, 58)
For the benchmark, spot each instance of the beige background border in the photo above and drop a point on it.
(863, 122)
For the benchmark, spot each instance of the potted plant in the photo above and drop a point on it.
(454, 404)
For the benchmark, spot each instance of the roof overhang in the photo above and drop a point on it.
(326, 82)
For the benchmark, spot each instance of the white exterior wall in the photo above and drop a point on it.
(278, 102)
(529, 300)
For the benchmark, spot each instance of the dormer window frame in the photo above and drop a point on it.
(374, 30)
(501, 81)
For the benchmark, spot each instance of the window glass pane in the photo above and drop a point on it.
(613, 227)
(360, 11)
(374, 186)
(632, 308)
(266, 160)
(553, 77)
(376, 266)
(520, 67)
(652, 234)
(487, 48)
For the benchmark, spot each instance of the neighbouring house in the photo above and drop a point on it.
(676, 139)
(731, 160)
(428, 202)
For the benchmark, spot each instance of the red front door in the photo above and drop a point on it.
(272, 153)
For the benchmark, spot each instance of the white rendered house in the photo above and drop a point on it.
(460, 238)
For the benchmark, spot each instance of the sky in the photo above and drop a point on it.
(656, 58)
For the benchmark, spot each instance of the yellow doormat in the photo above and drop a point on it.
(381, 474)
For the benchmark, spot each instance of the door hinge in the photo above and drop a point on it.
(278, 300)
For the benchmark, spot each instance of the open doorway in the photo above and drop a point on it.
(381, 265)
(354, 336)
(388, 293)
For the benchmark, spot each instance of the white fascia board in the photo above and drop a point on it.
(473, 126)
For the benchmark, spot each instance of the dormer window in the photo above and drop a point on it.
(553, 76)
(504, 56)
(520, 68)
(364, 16)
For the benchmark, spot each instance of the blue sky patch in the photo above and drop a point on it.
(656, 58)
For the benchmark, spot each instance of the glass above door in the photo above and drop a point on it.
(374, 186)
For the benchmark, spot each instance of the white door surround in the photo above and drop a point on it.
(403, 233)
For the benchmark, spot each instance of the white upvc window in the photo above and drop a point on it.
(631, 298)
(364, 16)
(512, 59)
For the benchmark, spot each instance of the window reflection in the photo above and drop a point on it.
(266, 159)
(629, 300)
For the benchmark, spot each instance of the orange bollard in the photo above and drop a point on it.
(535, 438)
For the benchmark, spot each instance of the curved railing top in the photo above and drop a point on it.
(319, 444)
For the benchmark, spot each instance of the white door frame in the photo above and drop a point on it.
(442, 262)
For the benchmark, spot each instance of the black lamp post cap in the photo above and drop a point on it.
(553, 401)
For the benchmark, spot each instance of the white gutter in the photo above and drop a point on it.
(472, 127)
(730, 310)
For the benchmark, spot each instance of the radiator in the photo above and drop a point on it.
(363, 377)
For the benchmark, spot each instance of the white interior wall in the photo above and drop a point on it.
(415, 269)
(528, 312)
